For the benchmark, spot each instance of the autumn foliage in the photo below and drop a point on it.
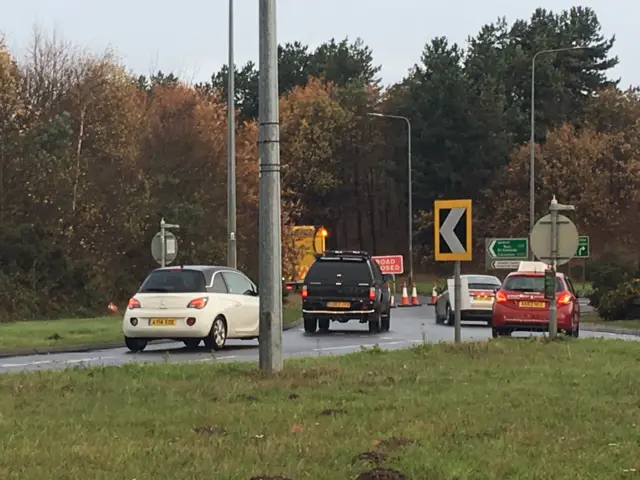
(594, 167)
(91, 158)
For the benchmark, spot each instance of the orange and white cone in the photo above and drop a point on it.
(434, 294)
(414, 296)
(405, 295)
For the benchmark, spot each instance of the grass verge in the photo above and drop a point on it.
(525, 409)
(592, 318)
(44, 334)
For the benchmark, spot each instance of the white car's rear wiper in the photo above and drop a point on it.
(155, 290)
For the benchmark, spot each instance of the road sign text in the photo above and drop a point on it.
(390, 264)
(583, 250)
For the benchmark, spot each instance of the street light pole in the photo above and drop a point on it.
(270, 223)
(409, 168)
(232, 251)
(532, 181)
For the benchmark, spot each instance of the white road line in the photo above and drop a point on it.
(48, 362)
(226, 357)
(347, 347)
(26, 364)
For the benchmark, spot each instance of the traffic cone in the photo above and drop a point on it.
(414, 297)
(405, 296)
(434, 294)
(393, 301)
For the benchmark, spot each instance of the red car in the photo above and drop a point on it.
(520, 304)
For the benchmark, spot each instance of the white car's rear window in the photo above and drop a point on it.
(174, 281)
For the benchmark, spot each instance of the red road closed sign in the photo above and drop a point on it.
(391, 264)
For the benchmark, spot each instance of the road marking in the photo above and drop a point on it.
(10, 365)
(48, 362)
(226, 357)
(366, 345)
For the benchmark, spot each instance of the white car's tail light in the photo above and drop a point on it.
(134, 303)
(198, 303)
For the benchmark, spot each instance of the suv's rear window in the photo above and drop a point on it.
(529, 283)
(345, 271)
(174, 281)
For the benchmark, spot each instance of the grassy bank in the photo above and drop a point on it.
(592, 318)
(44, 334)
(524, 409)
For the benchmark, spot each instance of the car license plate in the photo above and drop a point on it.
(532, 304)
(481, 297)
(162, 322)
(338, 304)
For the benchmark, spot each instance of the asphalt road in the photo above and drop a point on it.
(409, 325)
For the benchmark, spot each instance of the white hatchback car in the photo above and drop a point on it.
(192, 303)
(482, 292)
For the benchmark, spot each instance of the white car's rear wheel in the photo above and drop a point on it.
(192, 343)
(135, 344)
(218, 335)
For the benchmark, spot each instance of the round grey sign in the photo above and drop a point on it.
(567, 239)
(171, 247)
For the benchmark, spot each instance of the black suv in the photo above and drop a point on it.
(343, 286)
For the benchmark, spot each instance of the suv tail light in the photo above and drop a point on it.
(133, 303)
(198, 303)
(501, 297)
(564, 299)
(372, 293)
(304, 293)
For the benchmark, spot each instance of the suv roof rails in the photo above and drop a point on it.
(343, 253)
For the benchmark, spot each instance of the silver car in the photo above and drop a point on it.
(482, 291)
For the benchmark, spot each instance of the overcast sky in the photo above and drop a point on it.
(189, 37)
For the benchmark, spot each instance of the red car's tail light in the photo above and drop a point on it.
(564, 299)
(134, 303)
(501, 297)
(198, 303)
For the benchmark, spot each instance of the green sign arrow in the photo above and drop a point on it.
(512, 248)
(583, 249)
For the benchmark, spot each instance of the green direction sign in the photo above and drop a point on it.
(583, 248)
(509, 248)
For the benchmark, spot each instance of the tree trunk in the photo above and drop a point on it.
(356, 189)
(372, 210)
(76, 181)
(2, 173)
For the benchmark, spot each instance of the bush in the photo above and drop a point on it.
(607, 273)
(622, 303)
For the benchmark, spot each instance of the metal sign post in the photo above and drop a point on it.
(453, 242)
(554, 240)
(164, 246)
